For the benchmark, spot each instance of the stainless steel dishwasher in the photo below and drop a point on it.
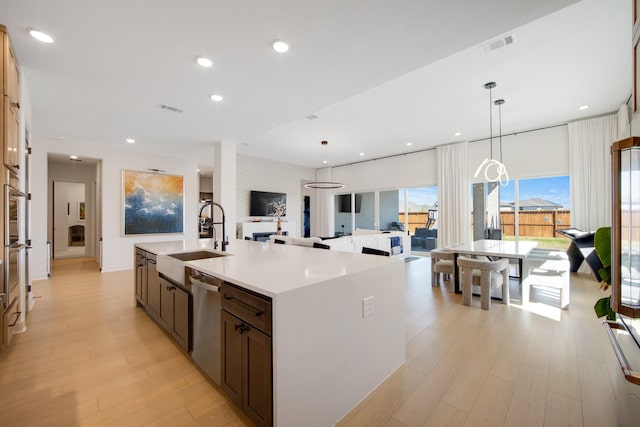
(206, 322)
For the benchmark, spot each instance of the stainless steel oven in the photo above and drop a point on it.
(13, 253)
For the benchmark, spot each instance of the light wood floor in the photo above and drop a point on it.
(91, 358)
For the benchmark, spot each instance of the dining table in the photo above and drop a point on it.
(512, 249)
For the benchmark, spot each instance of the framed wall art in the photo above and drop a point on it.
(82, 213)
(153, 203)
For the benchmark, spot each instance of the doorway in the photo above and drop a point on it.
(69, 219)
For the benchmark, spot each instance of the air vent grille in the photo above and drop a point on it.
(498, 43)
(170, 108)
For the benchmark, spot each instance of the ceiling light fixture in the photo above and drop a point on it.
(361, 154)
(457, 134)
(409, 144)
(39, 35)
(130, 140)
(204, 62)
(323, 185)
(216, 97)
(280, 46)
(73, 157)
(501, 174)
(583, 107)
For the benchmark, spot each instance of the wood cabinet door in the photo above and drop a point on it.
(257, 384)
(232, 357)
(181, 316)
(11, 135)
(153, 289)
(166, 304)
(141, 276)
(3, 37)
(11, 74)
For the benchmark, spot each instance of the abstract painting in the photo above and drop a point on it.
(153, 202)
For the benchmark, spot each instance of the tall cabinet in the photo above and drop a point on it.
(10, 205)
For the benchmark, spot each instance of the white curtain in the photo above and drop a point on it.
(453, 195)
(590, 171)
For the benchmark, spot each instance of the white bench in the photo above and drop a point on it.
(548, 269)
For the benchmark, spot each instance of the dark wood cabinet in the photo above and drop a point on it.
(175, 313)
(153, 287)
(141, 277)
(181, 318)
(166, 302)
(232, 357)
(247, 353)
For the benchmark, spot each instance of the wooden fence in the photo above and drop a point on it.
(531, 223)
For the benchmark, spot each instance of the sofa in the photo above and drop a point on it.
(373, 239)
(425, 238)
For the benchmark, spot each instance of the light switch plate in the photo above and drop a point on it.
(367, 306)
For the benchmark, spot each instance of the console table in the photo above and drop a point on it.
(264, 228)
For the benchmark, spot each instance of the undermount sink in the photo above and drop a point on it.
(172, 265)
(192, 256)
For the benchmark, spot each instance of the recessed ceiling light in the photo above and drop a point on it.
(409, 144)
(130, 140)
(197, 170)
(39, 35)
(361, 154)
(216, 97)
(280, 46)
(457, 134)
(583, 107)
(324, 162)
(73, 157)
(204, 62)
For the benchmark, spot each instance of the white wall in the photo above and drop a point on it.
(258, 174)
(117, 248)
(526, 155)
(409, 170)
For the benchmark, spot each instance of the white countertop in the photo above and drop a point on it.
(268, 268)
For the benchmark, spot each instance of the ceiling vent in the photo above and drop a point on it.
(311, 117)
(170, 108)
(499, 43)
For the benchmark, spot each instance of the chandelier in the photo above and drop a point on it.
(323, 185)
(494, 170)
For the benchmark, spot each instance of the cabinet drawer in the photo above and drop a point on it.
(252, 308)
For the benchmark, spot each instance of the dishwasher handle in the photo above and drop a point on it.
(204, 285)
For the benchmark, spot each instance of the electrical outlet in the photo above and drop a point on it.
(367, 306)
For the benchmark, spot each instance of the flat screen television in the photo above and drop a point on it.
(344, 203)
(261, 202)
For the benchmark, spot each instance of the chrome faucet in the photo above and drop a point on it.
(225, 240)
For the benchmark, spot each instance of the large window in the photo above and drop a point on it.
(422, 217)
(530, 209)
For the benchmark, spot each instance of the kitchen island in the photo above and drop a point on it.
(328, 352)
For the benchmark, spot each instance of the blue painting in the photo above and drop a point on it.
(153, 202)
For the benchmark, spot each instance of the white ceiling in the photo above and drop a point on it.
(377, 73)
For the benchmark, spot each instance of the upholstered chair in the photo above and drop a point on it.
(442, 262)
(486, 274)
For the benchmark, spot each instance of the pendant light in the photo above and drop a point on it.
(500, 173)
(323, 185)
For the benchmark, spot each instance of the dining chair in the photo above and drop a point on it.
(486, 274)
(442, 262)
